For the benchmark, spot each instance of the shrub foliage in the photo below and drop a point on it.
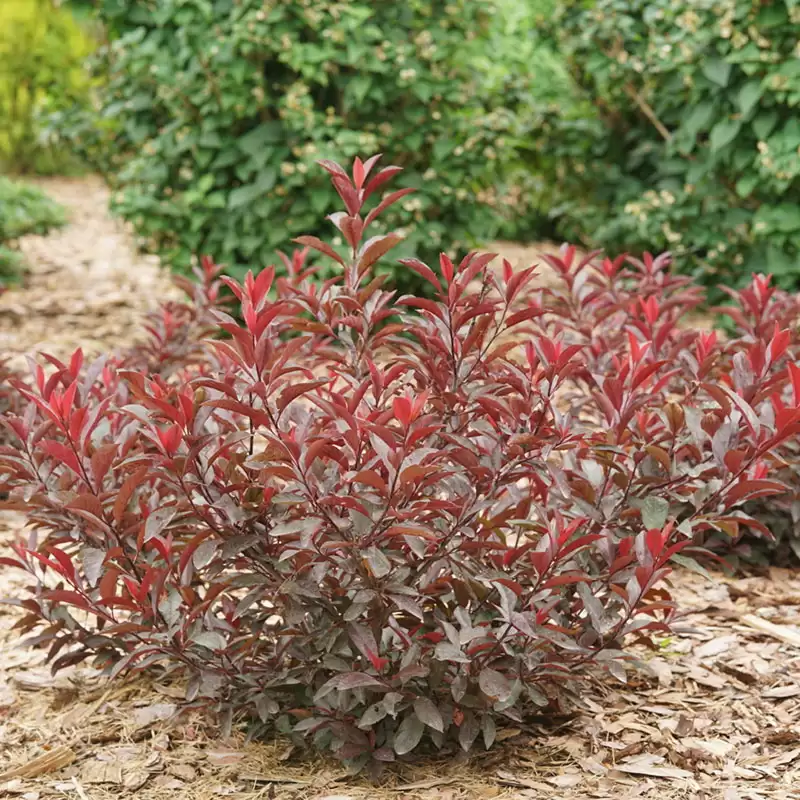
(383, 522)
(24, 209)
(683, 133)
(42, 53)
(217, 112)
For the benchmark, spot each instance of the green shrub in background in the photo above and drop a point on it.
(684, 133)
(24, 209)
(216, 111)
(42, 55)
(525, 80)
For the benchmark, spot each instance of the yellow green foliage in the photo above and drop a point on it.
(42, 55)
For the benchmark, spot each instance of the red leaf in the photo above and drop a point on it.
(362, 638)
(374, 248)
(63, 454)
(421, 269)
(293, 392)
(387, 201)
(402, 410)
(370, 478)
(317, 244)
(751, 489)
(386, 174)
(64, 596)
(126, 491)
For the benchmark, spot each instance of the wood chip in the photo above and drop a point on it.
(153, 713)
(254, 777)
(715, 647)
(223, 758)
(654, 771)
(431, 784)
(48, 762)
(509, 779)
(781, 632)
(97, 772)
(782, 691)
(186, 772)
(715, 747)
(135, 779)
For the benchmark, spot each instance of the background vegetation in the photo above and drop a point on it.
(689, 137)
(23, 210)
(43, 50)
(643, 125)
(218, 110)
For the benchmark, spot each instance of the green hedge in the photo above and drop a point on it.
(217, 110)
(24, 209)
(42, 55)
(682, 132)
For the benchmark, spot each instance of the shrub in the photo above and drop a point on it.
(758, 360)
(42, 52)
(379, 521)
(24, 209)
(221, 110)
(688, 135)
(759, 311)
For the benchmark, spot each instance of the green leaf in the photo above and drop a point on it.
(408, 735)
(654, 512)
(210, 639)
(158, 520)
(256, 142)
(723, 133)
(745, 186)
(210, 139)
(783, 218)
(718, 71)
(489, 730)
(378, 563)
(348, 681)
(243, 195)
(92, 559)
(764, 123)
(170, 606)
(691, 565)
(699, 118)
(445, 651)
(204, 553)
(749, 95)
(373, 715)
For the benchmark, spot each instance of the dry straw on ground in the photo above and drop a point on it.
(714, 714)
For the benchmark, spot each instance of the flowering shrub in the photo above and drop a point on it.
(208, 142)
(687, 138)
(385, 522)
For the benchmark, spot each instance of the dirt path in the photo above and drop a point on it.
(715, 713)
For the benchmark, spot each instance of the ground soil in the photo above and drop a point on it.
(714, 713)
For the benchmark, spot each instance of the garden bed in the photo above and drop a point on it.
(714, 711)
